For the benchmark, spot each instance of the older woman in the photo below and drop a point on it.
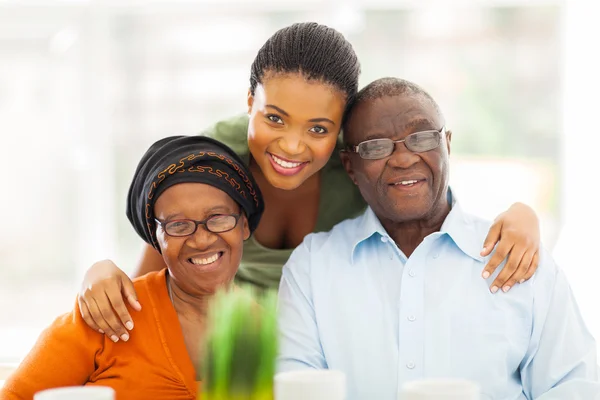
(195, 202)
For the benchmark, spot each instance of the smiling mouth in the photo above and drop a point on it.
(207, 260)
(285, 163)
(408, 183)
(286, 167)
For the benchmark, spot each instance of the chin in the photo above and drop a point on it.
(285, 183)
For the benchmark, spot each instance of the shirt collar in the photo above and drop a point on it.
(458, 225)
(462, 229)
(368, 225)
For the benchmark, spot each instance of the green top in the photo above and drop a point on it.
(340, 199)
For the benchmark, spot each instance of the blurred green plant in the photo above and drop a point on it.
(240, 347)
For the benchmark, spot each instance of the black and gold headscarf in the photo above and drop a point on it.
(180, 159)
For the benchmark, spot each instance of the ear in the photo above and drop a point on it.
(250, 101)
(245, 227)
(347, 162)
(448, 140)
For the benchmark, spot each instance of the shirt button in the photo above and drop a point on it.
(436, 255)
(410, 365)
(412, 273)
(384, 239)
(411, 318)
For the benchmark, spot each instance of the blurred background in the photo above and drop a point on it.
(86, 86)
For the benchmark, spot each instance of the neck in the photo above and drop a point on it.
(187, 305)
(408, 235)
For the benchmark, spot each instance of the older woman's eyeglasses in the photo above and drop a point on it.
(215, 223)
(418, 142)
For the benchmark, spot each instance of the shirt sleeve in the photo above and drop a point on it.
(300, 346)
(561, 359)
(64, 355)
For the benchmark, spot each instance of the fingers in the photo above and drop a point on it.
(108, 314)
(532, 267)
(99, 320)
(87, 316)
(119, 307)
(507, 278)
(130, 294)
(491, 239)
(501, 252)
(524, 267)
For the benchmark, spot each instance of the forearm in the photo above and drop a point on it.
(151, 261)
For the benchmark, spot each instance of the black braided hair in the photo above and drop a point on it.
(387, 87)
(316, 51)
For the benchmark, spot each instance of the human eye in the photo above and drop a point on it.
(318, 130)
(178, 227)
(275, 119)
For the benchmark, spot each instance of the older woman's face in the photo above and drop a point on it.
(203, 261)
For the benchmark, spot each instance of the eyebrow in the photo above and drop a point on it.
(278, 109)
(420, 122)
(282, 111)
(210, 211)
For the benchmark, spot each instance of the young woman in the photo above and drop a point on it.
(300, 83)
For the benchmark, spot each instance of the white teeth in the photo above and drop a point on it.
(406, 183)
(285, 164)
(205, 261)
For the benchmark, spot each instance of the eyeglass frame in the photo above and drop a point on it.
(355, 149)
(198, 223)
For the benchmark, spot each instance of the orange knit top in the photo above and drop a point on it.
(153, 364)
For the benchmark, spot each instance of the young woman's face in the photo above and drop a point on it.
(294, 125)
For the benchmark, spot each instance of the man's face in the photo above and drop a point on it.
(403, 186)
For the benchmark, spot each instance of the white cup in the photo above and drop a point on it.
(440, 389)
(77, 393)
(310, 384)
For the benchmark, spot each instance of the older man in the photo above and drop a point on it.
(397, 293)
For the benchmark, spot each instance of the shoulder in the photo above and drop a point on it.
(231, 131)
(321, 246)
(341, 198)
(151, 285)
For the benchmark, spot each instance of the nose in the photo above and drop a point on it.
(402, 157)
(292, 143)
(202, 238)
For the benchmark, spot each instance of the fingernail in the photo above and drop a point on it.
(129, 325)
(101, 331)
(494, 289)
(485, 274)
(522, 280)
(114, 338)
(125, 337)
(506, 288)
(483, 250)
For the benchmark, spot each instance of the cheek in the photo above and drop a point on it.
(322, 148)
(169, 247)
(259, 133)
(235, 241)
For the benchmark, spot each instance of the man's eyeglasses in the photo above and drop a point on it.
(418, 142)
(215, 223)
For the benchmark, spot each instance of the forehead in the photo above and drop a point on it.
(192, 198)
(300, 96)
(393, 115)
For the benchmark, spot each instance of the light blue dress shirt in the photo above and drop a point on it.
(350, 300)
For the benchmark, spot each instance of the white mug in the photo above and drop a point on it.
(77, 393)
(440, 389)
(310, 384)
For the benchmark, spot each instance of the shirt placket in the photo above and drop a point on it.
(412, 320)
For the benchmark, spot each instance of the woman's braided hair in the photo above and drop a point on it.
(316, 51)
